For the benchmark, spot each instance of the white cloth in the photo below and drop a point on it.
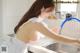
(20, 47)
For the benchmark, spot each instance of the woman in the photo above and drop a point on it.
(32, 22)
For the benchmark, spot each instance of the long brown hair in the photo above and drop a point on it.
(35, 11)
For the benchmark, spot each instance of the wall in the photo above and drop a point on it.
(13, 10)
(78, 10)
(0, 17)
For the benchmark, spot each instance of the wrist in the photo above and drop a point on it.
(77, 42)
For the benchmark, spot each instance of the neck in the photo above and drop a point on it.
(40, 18)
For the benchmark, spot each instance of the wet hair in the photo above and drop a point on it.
(35, 11)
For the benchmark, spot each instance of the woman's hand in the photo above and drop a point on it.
(77, 42)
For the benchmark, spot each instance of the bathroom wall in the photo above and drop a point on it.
(0, 17)
(78, 9)
(13, 10)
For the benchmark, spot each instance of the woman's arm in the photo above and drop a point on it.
(63, 39)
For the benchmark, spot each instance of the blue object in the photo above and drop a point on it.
(66, 20)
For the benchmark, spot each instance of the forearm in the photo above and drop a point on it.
(60, 38)
(63, 38)
(54, 36)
